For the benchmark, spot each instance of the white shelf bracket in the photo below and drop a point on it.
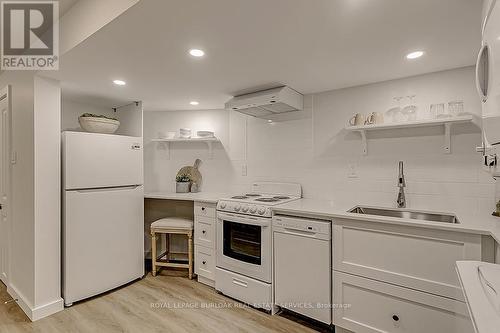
(364, 142)
(165, 146)
(210, 149)
(447, 138)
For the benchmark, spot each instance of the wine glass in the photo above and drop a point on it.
(410, 111)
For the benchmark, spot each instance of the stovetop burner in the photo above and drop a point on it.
(267, 199)
(252, 195)
(281, 197)
(239, 197)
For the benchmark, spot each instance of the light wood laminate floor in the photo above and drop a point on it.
(149, 305)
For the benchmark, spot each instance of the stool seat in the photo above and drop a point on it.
(173, 223)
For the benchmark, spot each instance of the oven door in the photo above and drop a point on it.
(244, 245)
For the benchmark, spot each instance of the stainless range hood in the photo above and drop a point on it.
(265, 103)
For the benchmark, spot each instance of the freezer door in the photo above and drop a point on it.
(103, 242)
(93, 160)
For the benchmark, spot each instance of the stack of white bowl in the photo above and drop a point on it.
(184, 133)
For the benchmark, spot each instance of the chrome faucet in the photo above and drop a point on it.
(401, 201)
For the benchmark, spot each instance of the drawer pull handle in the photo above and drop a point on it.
(204, 262)
(395, 317)
(203, 231)
(240, 283)
(202, 208)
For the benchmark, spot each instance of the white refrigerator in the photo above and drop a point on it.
(103, 213)
(488, 84)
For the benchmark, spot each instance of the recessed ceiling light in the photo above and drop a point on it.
(196, 53)
(119, 82)
(194, 103)
(415, 55)
(269, 121)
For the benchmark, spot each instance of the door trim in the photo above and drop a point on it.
(6, 93)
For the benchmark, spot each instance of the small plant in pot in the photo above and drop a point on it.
(182, 183)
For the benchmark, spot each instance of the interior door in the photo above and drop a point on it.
(4, 182)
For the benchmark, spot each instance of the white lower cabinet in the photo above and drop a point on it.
(365, 305)
(418, 258)
(205, 262)
(204, 242)
(399, 278)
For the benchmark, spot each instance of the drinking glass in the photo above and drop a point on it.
(410, 111)
(437, 111)
(456, 108)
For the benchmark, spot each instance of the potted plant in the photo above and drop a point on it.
(182, 183)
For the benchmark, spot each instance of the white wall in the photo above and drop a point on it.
(317, 152)
(21, 279)
(159, 172)
(71, 110)
(47, 237)
(130, 116)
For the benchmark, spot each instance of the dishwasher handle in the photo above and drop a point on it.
(301, 233)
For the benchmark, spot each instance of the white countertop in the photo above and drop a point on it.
(484, 225)
(210, 197)
(485, 313)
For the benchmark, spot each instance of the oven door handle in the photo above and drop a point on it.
(260, 222)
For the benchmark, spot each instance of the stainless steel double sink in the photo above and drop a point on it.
(405, 214)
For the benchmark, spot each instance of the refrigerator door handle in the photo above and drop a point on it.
(104, 189)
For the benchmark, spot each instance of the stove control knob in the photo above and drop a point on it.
(222, 205)
(244, 209)
(253, 209)
(237, 207)
(261, 211)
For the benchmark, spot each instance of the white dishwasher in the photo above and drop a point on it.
(302, 266)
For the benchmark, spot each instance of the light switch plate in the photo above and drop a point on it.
(244, 170)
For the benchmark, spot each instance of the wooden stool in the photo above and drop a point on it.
(168, 226)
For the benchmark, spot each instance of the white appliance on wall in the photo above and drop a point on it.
(269, 102)
(244, 242)
(103, 213)
(488, 84)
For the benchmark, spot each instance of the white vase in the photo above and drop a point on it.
(182, 187)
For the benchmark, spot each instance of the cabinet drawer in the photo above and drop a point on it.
(204, 231)
(250, 291)
(373, 306)
(204, 262)
(204, 209)
(418, 258)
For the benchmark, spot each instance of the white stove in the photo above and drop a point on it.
(259, 201)
(244, 242)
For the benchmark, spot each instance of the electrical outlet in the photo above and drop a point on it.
(244, 170)
(353, 171)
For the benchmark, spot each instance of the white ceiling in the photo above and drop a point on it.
(310, 45)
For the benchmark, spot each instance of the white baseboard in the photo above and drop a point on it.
(47, 309)
(208, 282)
(39, 312)
(21, 301)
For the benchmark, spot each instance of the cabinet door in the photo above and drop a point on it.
(418, 258)
(204, 262)
(204, 231)
(368, 306)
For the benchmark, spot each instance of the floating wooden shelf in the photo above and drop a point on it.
(209, 141)
(445, 122)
